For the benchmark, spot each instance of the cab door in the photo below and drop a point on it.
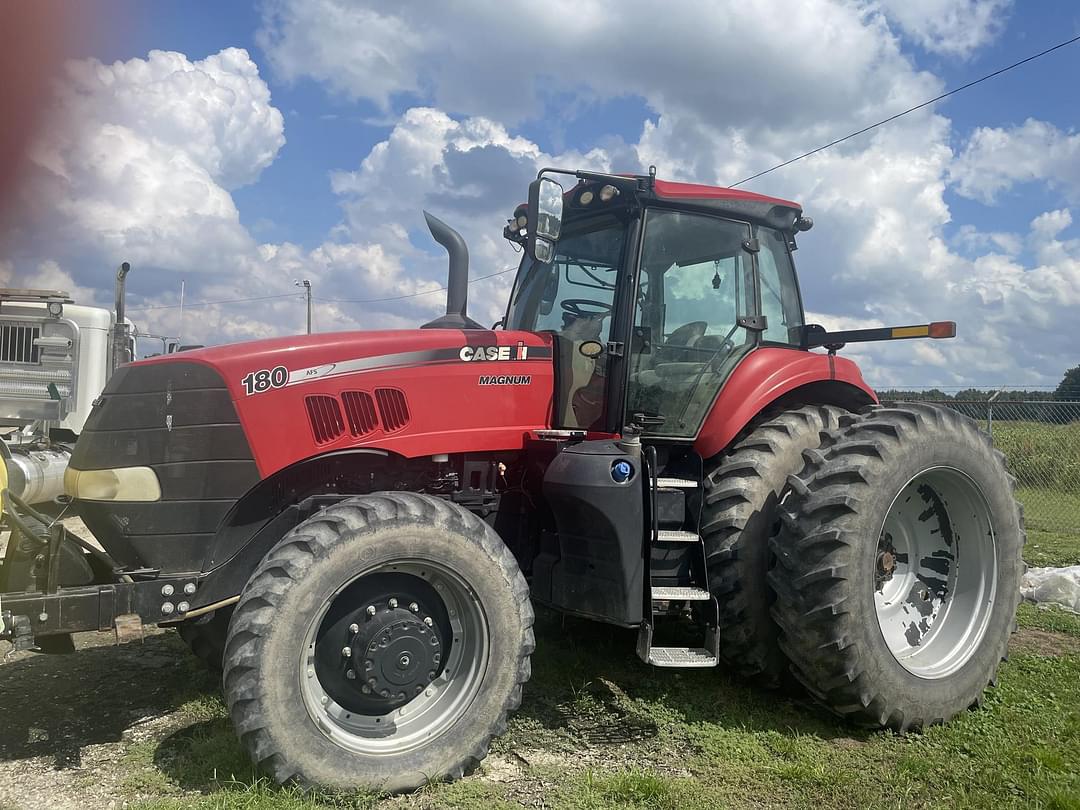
(692, 319)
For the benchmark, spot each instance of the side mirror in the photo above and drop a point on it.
(544, 218)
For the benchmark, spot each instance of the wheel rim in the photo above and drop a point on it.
(426, 621)
(936, 572)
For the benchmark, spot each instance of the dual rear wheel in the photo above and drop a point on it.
(881, 570)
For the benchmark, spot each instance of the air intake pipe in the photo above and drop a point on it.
(457, 285)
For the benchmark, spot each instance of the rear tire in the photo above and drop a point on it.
(406, 583)
(898, 565)
(739, 513)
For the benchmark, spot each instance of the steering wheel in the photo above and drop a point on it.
(575, 306)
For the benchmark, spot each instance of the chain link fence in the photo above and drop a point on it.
(1041, 440)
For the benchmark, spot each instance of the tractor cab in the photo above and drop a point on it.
(654, 292)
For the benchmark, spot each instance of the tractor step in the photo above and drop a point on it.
(676, 483)
(679, 657)
(682, 657)
(676, 536)
(679, 594)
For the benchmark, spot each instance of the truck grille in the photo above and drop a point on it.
(17, 343)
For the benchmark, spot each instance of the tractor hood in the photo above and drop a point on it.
(412, 392)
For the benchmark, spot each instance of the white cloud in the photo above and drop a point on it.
(142, 160)
(951, 27)
(807, 68)
(996, 159)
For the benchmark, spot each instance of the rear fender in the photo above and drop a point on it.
(772, 375)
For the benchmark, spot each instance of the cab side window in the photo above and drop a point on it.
(780, 302)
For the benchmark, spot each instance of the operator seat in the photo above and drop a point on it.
(684, 337)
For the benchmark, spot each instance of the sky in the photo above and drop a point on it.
(238, 147)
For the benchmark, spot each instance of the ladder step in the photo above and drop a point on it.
(688, 657)
(676, 483)
(681, 594)
(676, 536)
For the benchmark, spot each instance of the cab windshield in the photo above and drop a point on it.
(574, 293)
(573, 297)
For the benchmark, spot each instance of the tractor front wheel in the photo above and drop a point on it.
(897, 567)
(380, 645)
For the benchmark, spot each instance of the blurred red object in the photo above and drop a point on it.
(35, 39)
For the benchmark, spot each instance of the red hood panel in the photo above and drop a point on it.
(413, 392)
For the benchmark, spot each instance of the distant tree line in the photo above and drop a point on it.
(1056, 406)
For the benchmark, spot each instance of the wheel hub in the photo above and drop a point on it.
(395, 654)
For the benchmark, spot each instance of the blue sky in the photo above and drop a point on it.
(338, 121)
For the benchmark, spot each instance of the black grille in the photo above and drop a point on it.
(360, 411)
(393, 408)
(325, 416)
(17, 343)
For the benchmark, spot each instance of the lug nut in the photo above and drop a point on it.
(167, 608)
(415, 608)
(370, 610)
(354, 629)
(428, 621)
(183, 607)
(324, 700)
(190, 589)
(347, 652)
(365, 689)
(166, 590)
(350, 675)
(392, 603)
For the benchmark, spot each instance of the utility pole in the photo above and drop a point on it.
(306, 284)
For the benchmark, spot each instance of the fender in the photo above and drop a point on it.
(766, 375)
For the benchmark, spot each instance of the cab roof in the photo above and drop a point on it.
(666, 189)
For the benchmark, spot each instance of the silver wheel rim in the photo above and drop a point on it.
(439, 706)
(936, 573)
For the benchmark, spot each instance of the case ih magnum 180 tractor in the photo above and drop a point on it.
(354, 526)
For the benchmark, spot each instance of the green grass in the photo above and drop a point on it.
(598, 729)
(1051, 510)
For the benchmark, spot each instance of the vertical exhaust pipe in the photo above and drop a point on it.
(121, 346)
(457, 284)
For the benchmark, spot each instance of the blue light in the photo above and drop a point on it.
(621, 472)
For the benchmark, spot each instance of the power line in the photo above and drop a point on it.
(910, 110)
(188, 305)
(410, 295)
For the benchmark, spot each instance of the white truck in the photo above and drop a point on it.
(55, 357)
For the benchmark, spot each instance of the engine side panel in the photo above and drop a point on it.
(414, 393)
(763, 377)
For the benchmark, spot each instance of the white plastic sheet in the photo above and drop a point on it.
(1059, 586)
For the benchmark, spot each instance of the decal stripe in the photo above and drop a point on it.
(400, 360)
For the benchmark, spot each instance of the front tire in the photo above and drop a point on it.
(380, 645)
(898, 565)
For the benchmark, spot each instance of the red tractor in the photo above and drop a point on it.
(354, 526)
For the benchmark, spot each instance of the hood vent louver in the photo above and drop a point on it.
(393, 408)
(325, 416)
(360, 411)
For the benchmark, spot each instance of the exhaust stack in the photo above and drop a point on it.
(121, 351)
(457, 284)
